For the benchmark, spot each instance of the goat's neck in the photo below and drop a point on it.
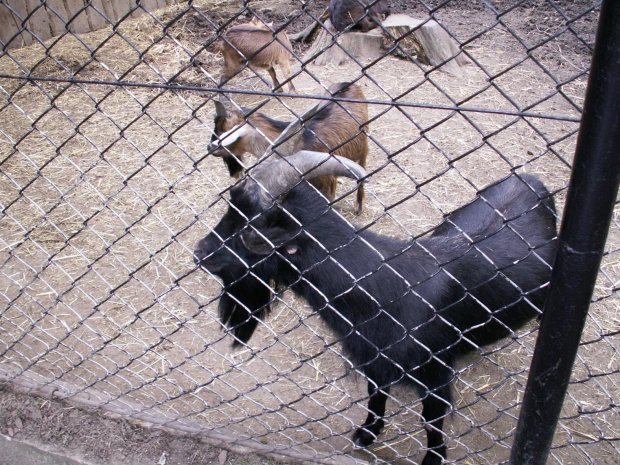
(260, 143)
(264, 135)
(333, 268)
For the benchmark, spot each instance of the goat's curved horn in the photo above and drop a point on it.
(278, 177)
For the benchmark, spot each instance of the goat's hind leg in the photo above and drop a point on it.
(362, 141)
(286, 69)
(434, 409)
(366, 434)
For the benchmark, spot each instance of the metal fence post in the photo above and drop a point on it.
(589, 206)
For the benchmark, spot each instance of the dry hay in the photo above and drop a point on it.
(99, 226)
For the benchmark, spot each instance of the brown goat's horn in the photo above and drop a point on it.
(279, 176)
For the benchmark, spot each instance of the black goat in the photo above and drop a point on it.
(404, 310)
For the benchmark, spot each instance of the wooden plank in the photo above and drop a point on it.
(79, 24)
(121, 7)
(108, 10)
(137, 11)
(38, 21)
(45, 23)
(95, 13)
(12, 24)
(150, 5)
(58, 25)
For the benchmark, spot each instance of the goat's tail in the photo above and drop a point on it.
(522, 193)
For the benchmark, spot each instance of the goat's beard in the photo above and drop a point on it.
(243, 303)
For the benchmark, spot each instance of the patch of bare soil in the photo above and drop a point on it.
(102, 439)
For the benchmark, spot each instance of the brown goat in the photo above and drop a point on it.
(329, 126)
(254, 43)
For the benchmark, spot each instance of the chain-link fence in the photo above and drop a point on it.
(110, 178)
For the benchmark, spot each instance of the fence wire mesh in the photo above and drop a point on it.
(108, 184)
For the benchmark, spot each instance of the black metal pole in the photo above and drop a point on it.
(589, 206)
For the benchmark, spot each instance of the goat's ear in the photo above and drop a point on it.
(268, 240)
(220, 109)
(286, 143)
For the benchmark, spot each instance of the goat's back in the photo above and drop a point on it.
(455, 290)
(506, 200)
(338, 127)
(498, 252)
(256, 44)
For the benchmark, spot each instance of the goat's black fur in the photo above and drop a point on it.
(404, 310)
(359, 14)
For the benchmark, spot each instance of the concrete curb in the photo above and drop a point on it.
(18, 452)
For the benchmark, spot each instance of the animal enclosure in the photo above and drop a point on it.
(108, 184)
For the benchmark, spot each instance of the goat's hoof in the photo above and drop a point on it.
(363, 438)
(432, 458)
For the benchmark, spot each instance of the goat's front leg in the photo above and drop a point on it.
(366, 434)
(276, 83)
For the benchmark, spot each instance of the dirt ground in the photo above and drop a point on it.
(104, 304)
(104, 440)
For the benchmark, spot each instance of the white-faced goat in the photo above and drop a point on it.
(328, 126)
(403, 310)
(255, 45)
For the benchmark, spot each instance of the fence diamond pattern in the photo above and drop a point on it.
(107, 185)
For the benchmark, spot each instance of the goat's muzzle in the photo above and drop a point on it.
(205, 253)
(212, 150)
